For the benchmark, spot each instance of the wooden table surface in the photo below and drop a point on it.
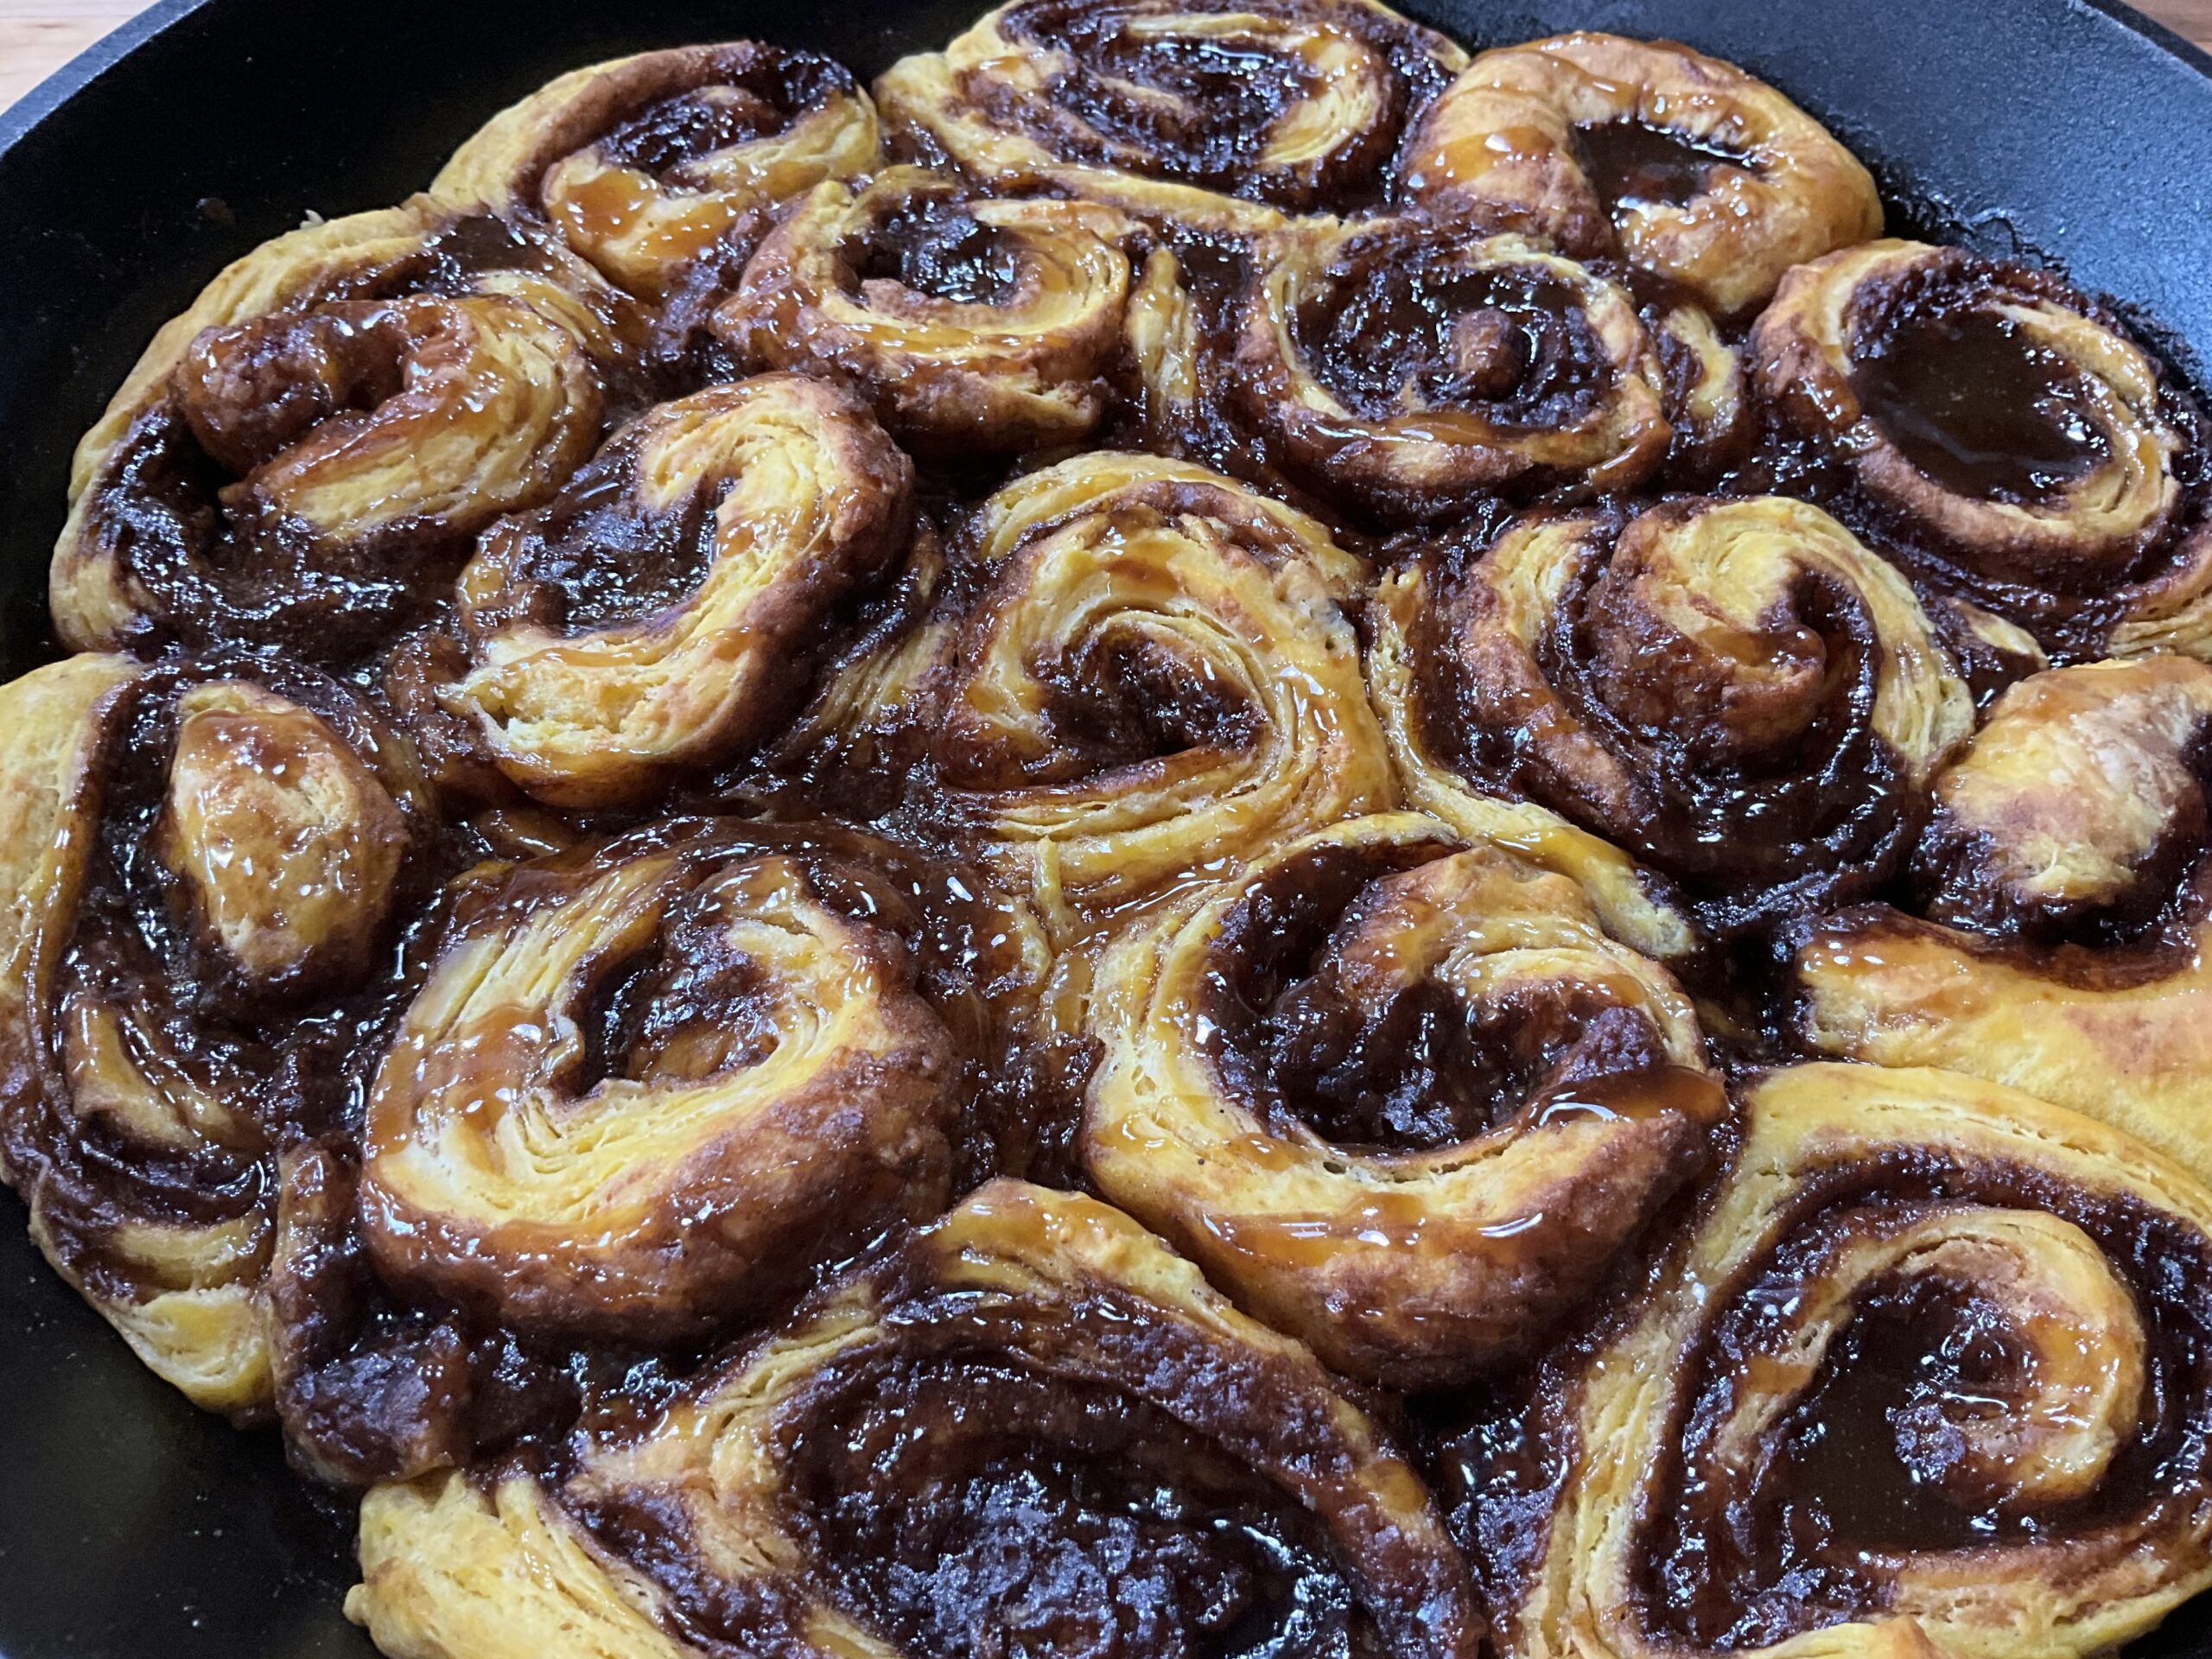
(38, 37)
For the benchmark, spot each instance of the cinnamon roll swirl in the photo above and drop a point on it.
(1924, 1376)
(1214, 115)
(207, 864)
(1400, 1096)
(302, 458)
(1405, 373)
(660, 614)
(646, 1089)
(1694, 170)
(1028, 1429)
(2026, 451)
(1134, 670)
(2062, 889)
(1714, 713)
(657, 167)
(969, 322)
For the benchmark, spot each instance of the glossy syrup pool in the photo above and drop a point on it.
(1973, 401)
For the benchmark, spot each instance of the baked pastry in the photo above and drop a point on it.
(2025, 446)
(207, 863)
(659, 614)
(1733, 692)
(1890, 1393)
(663, 169)
(1694, 170)
(646, 1086)
(968, 321)
(305, 454)
(1402, 1097)
(1210, 115)
(2056, 940)
(1134, 670)
(1109, 1454)
(1214, 837)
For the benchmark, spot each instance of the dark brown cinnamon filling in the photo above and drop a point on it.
(596, 557)
(938, 248)
(1634, 164)
(1417, 1070)
(1973, 401)
(1396, 326)
(1865, 1467)
(759, 96)
(980, 1509)
(1208, 104)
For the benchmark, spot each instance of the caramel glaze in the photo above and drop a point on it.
(1510, 347)
(1750, 839)
(1212, 105)
(1978, 408)
(966, 1494)
(1635, 164)
(1417, 1072)
(226, 574)
(1859, 1475)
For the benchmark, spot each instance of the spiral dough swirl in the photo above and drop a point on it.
(1114, 1461)
(1922, 1378)
(1402, 1097)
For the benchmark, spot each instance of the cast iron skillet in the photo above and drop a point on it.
(132, 1526)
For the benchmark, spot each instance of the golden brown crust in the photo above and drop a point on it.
(970, 323)
(1400, 1096)
(1886, 1243)
(1112, 1366)
(1094, 101)
(653, 166)
(1757, 185)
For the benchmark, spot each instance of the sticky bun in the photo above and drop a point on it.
(1401, 1096)
(1028, 1428)
(659, 613)
(666, 168)
(1211, 115)
(1692, 170)
(304, 456)
(969, 322)
(2020, 443)
(643, 1089)
(1922, 1377)
(1712, 711)
(1135, 673)
(1211, 839)
(2056, 934)
(208, 864)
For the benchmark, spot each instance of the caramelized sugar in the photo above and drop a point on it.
(1975, 404)
(1634, 164)
(938, 249)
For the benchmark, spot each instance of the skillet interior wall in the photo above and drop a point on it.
(130, 1524)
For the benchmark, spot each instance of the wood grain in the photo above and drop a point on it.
(38, 37)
